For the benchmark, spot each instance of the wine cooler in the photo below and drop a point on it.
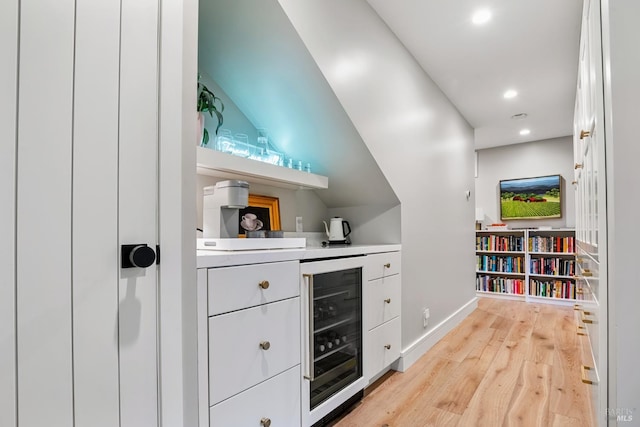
(332, 335)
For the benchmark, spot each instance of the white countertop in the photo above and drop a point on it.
(207, 258)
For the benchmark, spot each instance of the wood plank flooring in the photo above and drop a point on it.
(509, 363)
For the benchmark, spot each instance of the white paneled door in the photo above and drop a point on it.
(79, 177)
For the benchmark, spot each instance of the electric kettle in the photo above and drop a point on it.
(337, 231)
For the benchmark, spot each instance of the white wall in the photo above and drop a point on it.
(372, 224)
(233, 118)
(8, 136)
(253, 52)
(421, 143)
(529, 159)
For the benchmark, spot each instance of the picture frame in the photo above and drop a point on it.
(266, 210)
(538, 197)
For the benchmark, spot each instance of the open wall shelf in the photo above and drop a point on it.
(227, 166)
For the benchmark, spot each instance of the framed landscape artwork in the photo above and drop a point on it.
(531, 198)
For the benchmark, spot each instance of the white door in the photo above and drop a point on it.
(79, 175)
(115, 192)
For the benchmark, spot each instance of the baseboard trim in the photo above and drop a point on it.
(419, 347)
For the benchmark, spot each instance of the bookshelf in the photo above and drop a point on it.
(532, 265)
(501, 263)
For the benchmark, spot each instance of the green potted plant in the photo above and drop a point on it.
(208, 102)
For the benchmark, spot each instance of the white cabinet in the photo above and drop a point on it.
(234, 288)
(249, 344)
(382, 312)
(274, 402)
(589, 185)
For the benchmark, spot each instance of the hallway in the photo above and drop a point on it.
(509, 363)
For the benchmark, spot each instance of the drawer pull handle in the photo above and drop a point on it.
(580, 330)
(578, 166)
(584, 376)
(574, 182)
(388, 346)
(576, 307)
(584, 319)
(388, 265)
(265, 345)
(584, 134)
(265, 422)
(264, 284)
(388, 300)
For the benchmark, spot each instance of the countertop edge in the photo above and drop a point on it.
(212, 259)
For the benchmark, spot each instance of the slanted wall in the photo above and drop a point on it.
(422, 144)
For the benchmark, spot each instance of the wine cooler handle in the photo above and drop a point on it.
(309, 354)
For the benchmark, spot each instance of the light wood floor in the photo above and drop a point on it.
(509, 363)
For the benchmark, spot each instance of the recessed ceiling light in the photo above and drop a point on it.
(481, 17)
(510, 94)
(525, 132)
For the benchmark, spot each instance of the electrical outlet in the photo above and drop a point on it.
(425, 317)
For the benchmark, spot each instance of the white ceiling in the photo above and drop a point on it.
(530, 46)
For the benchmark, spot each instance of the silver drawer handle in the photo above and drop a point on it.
(388, 265)
(388, 346)
(388, 300)
(264, 284)
(265, 345)
(265, 422)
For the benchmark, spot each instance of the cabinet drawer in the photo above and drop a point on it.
(379, 356)
(382, 265)
(235, 288)
(277, 399)
(383, 300)
(236, 359)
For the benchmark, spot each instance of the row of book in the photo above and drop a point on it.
(502, 264)
(554, 289)
(500, 285)
(552, 244)
(552, 266)
(500, 243)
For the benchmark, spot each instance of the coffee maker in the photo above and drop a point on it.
(221, 205)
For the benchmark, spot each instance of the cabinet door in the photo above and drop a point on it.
(235, 288)
(383, 300)
(237, 357)
(381, 265)
(276, 400)
(383, 347)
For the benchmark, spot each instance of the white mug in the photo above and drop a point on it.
(250, 221)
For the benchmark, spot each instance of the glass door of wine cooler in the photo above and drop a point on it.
(335, 332)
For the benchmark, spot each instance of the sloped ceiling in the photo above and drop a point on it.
(250, 48)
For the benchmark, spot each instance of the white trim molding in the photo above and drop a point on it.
(419, 347)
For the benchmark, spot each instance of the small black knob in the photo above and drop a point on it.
(139, 255)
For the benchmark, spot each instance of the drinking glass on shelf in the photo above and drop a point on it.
(241, 145)
(224, 141)
(262, 143)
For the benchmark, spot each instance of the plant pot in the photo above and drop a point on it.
(200, 129)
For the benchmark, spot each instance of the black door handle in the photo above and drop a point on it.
(139, 255)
